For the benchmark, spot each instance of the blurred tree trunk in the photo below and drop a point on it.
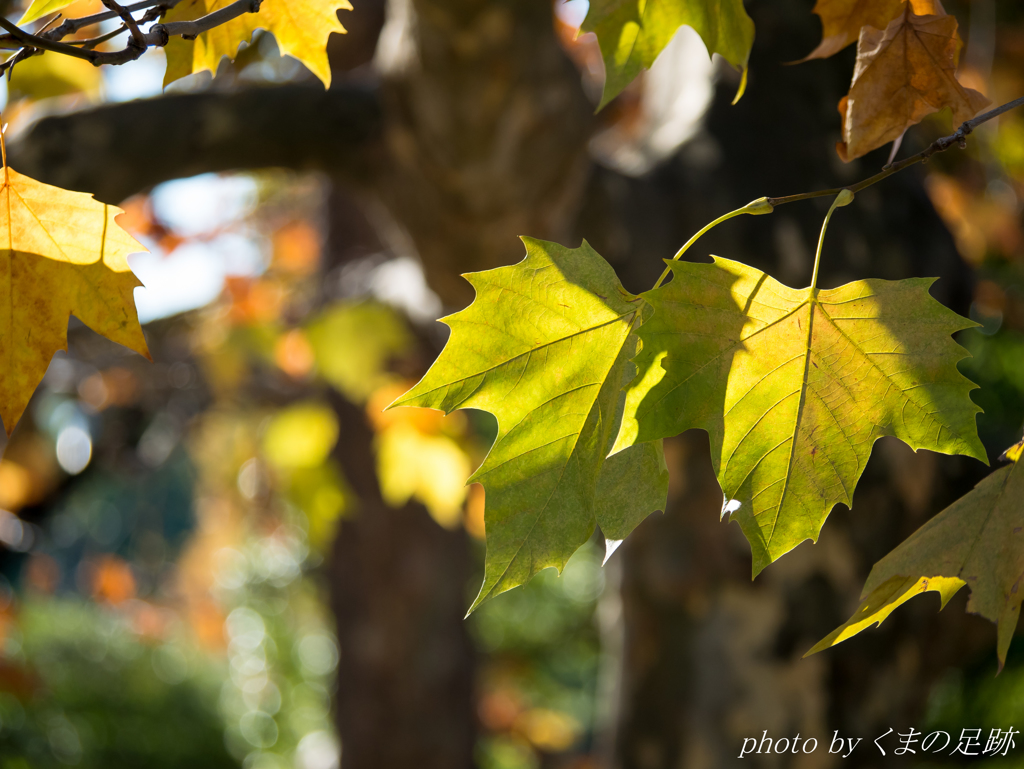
(485, 125)
(405, 678)
(484, 131)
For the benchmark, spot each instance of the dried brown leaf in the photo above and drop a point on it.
(841, 20)
(903, 74)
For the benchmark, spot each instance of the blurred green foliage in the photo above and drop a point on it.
(997, 365)
(83, 689)
(539, 683)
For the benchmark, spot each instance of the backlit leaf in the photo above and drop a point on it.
(63, 254)
(545, 347)
(903, 74)
(632, 483)
(632, 33)
(977, 541)
(301, 28)
(795, 388)
(841, 20)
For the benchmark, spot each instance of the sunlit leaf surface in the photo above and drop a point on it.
(301, 28)
(63, 254)
(632, 33)
(546, 348)
(794, 388)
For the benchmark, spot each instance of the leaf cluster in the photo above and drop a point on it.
(907, 56)
(793, 386)
(585, 379)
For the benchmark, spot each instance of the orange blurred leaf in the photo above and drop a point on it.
(474, 518)
(980, 224)
(903, 74)
(207, 622)
(114, 387)
(42, 573)
(294, 355)
(112, 580)
(427, 421)
(16, 486)
(499, 709)
(149, 621)
(297, 248)
(253, 301)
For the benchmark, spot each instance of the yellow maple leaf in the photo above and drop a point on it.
(63, 254)
(841, 20)
(301, 28)
(903, 74)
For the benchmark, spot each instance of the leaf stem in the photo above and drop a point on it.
(755, 207)
(844, 198)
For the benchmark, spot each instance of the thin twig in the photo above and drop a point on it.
(22, 54)
(157, 36)
(128, 19)
(31, 41)
(958, 138)
(71, 26)
(92, 42)
(192, 29)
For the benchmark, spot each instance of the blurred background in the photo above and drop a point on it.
(231, 557)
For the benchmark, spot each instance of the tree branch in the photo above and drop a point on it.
(958, 138)
(192, 29)
(31, 41)
(157, 36)
(128, 19)
(71, 26)
(117, 150)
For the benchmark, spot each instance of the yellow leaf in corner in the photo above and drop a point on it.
(40, 8)
(301, 28)
(903, 74)
(64, 254)
(841, 20)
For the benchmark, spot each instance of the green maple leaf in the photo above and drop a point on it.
(795, 386)
(977, 541)
(632, 33)
(546, 348)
